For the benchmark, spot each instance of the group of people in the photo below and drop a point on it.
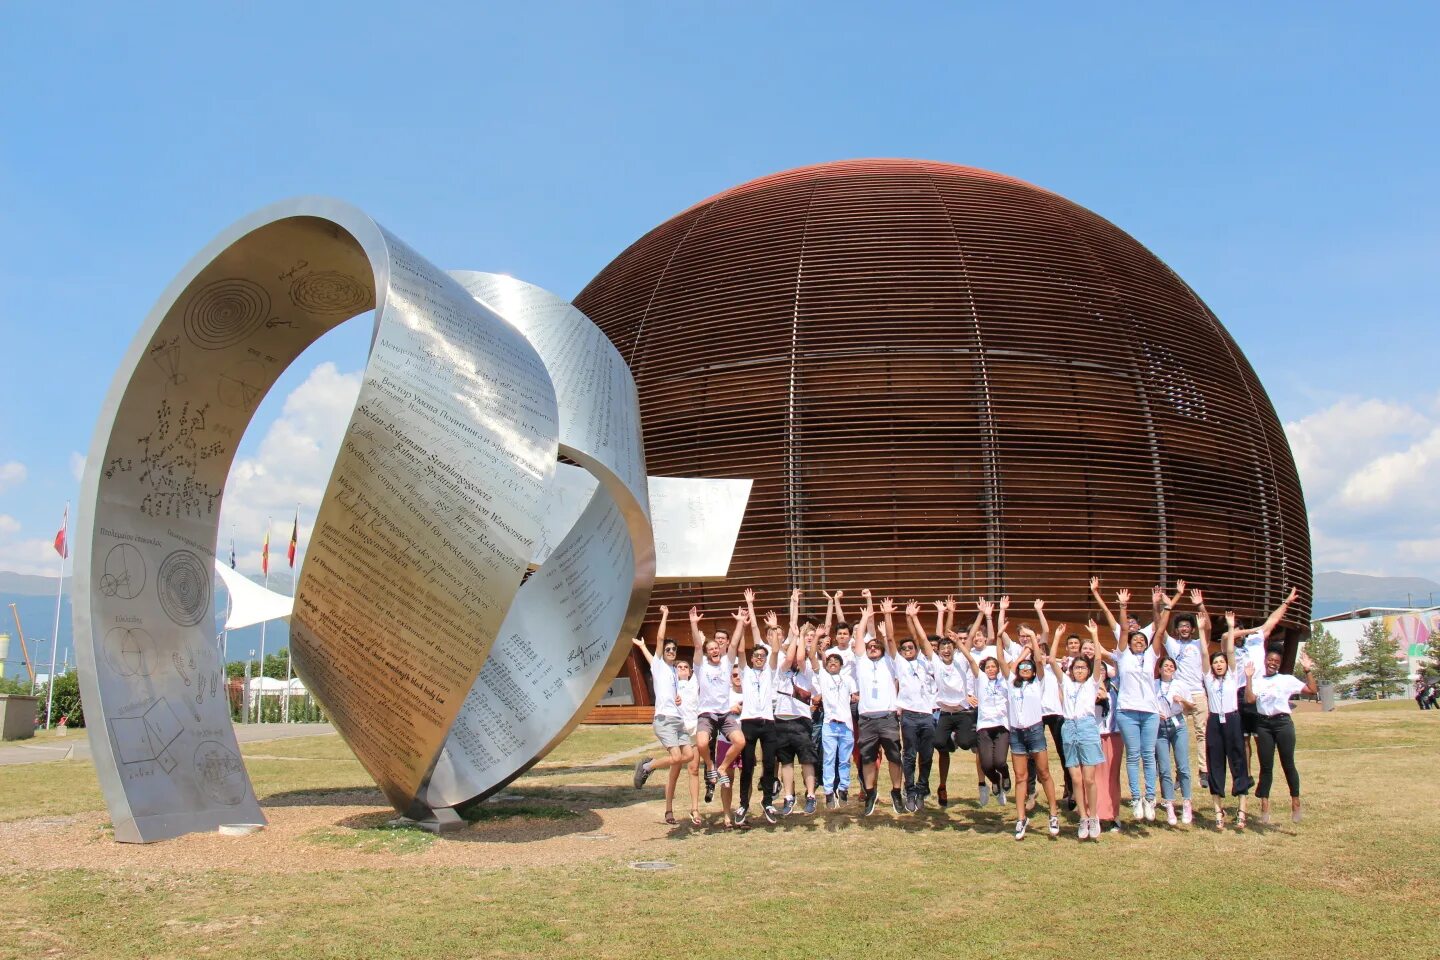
(1427, 691)
(814, 695)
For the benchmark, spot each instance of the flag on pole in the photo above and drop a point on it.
(61, 546)
(232, 553)
(294, 539)
(265, 553)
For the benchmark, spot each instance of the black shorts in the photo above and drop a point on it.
(877, 732)
(793, 741)
(956, 731)
(1249, 718)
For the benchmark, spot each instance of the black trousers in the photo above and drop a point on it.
(1277, 732)
(1225, 743)
(917, 730)
(757, 733)
(993, 746)
(1053, 722)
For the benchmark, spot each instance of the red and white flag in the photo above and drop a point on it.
(265, 553)
(62, 546)
(294, 540)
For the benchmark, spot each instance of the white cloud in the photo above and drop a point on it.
(291, 466)
(1371, 474)
(12, 474)
(9, 526)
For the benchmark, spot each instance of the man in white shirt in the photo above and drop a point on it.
(794, 683)
(875, 675)
(1186, 645)
(915, 698)
(757, 711)
(714, 663)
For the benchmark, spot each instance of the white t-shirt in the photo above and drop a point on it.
(994, 709)
(786, 706)
(1148, 630)
(758, 689)
(1077, 700)
(662, 676)
(1107, 714)
(1012, 652)
(689, 702)
(1272, 694)
(1189, 664)
(714, 680)
(1252, 648)
(1137, 680)
(876, 681)
(1220, 695)
(954, 681)
(1024, 704)
(1050, 694)
(917, 686)
(835, 691)
(1165, 693)
(846, 655)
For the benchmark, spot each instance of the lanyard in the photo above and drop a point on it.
(1074, 697)
(1165, 702)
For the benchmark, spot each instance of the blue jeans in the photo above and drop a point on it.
(837, 740)
(1173, 736)
(1138, 729)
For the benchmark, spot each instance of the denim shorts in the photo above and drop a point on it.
(1082, 743)
(1028, 740)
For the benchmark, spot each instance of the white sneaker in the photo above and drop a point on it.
(1170, 813)
(1187, 815)
(1020, 826)
(1000, 796)
(984, 794)
(1150, 810)
(1137, 810)
(1084, 828)
(1054, 826)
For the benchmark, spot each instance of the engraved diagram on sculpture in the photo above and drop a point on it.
(183, 586)
(225, 312)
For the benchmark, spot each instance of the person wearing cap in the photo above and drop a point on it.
(879, 726)
(669, 725)
(757, 712)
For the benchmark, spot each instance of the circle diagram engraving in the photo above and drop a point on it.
(225, 312)
(124, 574)
(330, 293)
(130, 650)
(183, 586)
(220, 773)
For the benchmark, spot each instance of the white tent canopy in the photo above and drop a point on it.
(271, 686)
(251, 603)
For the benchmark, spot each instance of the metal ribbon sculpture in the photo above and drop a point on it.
(444, 667)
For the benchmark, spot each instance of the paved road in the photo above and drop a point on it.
(76, 746)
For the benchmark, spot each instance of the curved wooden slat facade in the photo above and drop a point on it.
(945, 380)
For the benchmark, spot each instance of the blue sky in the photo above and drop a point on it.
(1281, 158)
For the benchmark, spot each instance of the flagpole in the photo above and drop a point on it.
(55, 643)
(290, 554)
(260, 701)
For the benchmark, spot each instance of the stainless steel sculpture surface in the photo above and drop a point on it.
(445, 669)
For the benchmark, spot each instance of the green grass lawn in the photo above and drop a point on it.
(1357, 879)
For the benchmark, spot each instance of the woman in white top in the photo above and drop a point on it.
(1173, 699)
(992, 720)
(1053, 715)
(1138, 716)
(669, 724)
(1225, 740)
(1271, 695)
(1027, 731)
(1082, 754)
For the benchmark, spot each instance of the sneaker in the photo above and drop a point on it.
(1084, 833)
(1005, 782)
(942, 798)
(844, 795)
(1187, 813)
(1150, 810)
(1000, 797)
(912, 802)
(1020, 826)
(642, 772)
(1054, 826)
(810, 804)
(896, 804)
(1170, 813)
(984, 794)
(788, 808)
(1115, 827)
(741, 815)
(1137, 810)
(870, 797)
(771, 814)
(709, 789)
(831, 801)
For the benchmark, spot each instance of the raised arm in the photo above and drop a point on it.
(839, 610)
(1055, 652)
(887, 607)
(1000, 654)
(1122, 622)
(1228, 643)
(829, 610)
(987, 611)
(742, 617)
(1000, 626)
(1040, 612)
(1273, 621)
(771, 620)
(1101, 654)
(794, 616)
(1202, 621)
(696, 636)
(1308, 666)
(857, 632)
(754, 620)
(949, 617)
(660, 633)
(963, 645)
(1166, 605)
(917, 630)
(644, 649)
(1109, 617)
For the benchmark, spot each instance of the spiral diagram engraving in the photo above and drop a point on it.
(184, 588)
(330, 293)
(225, 312)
